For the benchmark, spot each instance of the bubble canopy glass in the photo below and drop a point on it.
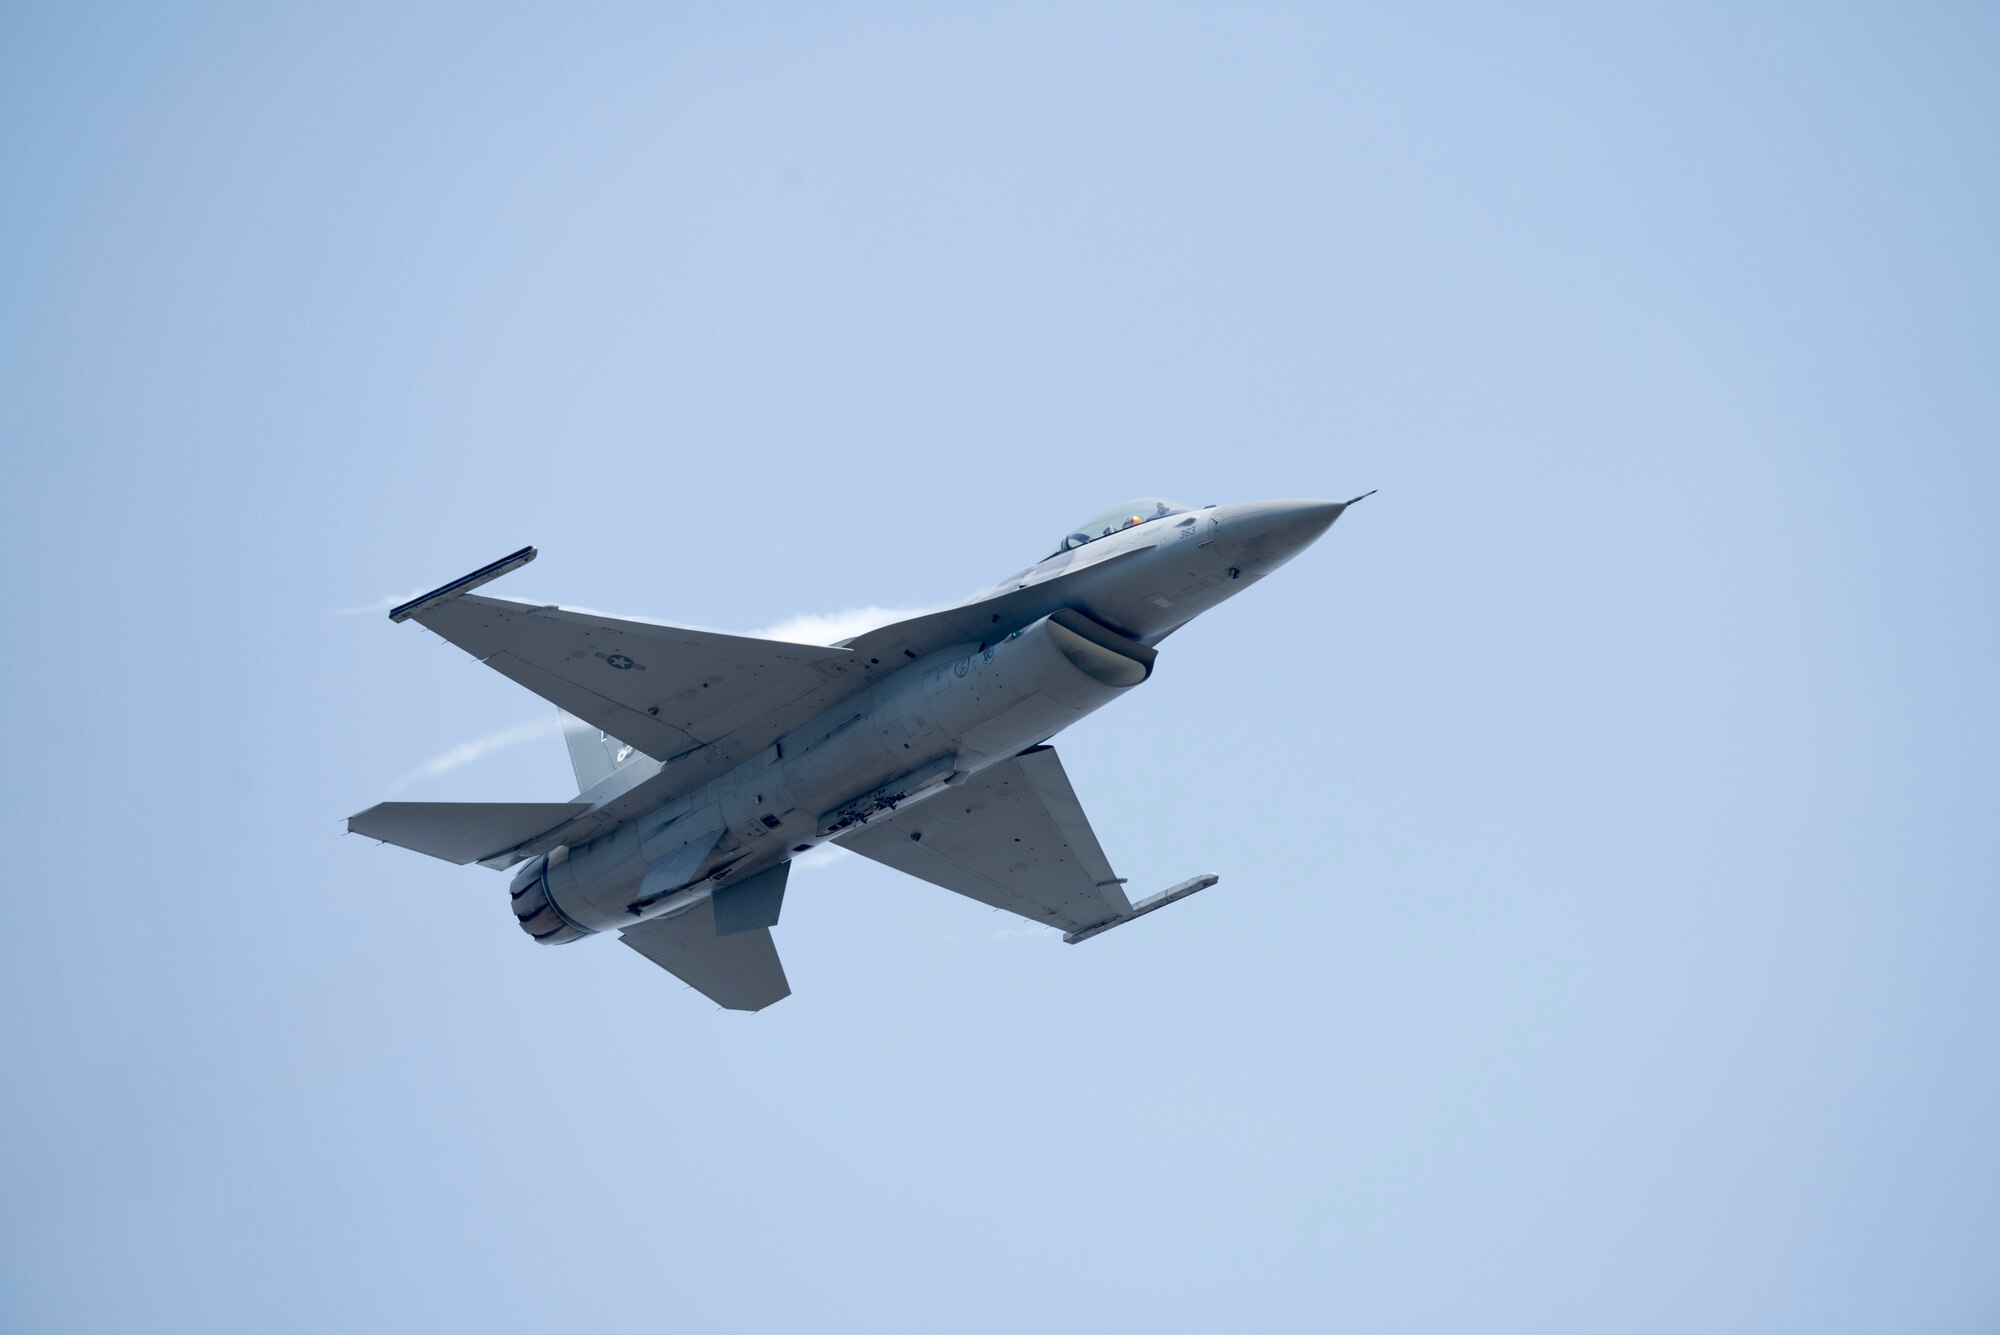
(1119, 519)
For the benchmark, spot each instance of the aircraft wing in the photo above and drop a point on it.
(740, 972)
(665, 689)
(1013, 836)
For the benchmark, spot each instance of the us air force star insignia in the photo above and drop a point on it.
(621, 662)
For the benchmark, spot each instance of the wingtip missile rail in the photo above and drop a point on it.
(446, 592)
(1145, 906)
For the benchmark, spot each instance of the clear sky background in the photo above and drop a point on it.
(1605, 812)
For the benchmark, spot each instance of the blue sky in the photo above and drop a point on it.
(1604, 811)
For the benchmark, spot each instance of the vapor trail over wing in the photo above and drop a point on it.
(1014, 837)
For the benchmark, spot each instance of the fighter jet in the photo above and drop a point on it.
(706, 762)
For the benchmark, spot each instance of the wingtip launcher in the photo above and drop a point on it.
(467, 584)
(1145, 906)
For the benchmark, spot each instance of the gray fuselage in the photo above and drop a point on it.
(913, 732)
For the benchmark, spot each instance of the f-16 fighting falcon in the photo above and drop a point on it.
(705, 762)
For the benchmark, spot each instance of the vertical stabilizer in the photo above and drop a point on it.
(594, 754)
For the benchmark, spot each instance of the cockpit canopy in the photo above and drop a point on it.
(1119, 519)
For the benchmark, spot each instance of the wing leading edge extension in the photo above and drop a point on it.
(1014, 836)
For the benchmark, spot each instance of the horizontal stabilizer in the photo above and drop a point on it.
(461, 831)
(739, 972)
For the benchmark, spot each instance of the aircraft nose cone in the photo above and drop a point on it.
(1265, 534)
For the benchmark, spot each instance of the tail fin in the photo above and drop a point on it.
(594, 755)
